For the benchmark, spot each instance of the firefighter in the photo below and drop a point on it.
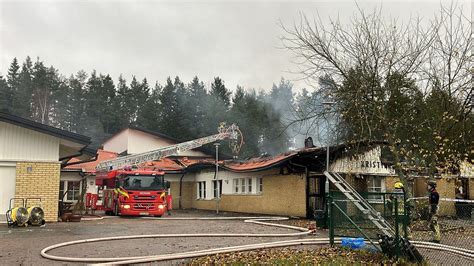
(434, 209)
(403, 214)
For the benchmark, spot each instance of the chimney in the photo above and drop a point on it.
(308, 143)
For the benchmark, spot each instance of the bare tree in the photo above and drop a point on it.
(382, 73)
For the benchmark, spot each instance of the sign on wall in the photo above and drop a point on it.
(368, 163)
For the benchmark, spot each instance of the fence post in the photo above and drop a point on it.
(406, 218)
(331, 221)
(397, 233)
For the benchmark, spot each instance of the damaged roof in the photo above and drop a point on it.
(304, 157)
(89, 166)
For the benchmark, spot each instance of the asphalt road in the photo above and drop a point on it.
(23, 245)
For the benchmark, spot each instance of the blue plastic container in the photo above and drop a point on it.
(354, 243)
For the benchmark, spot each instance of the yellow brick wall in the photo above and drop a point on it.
(39, 180)
(446, 187)
(282, 195)
(186, 197)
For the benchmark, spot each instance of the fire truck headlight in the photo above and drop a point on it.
(126, 206)
(161, 207)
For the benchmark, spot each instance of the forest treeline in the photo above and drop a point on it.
(96, 106)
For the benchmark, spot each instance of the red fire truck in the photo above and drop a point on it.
(137, 191)
(134, 192)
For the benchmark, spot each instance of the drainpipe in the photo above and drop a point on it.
(180, 189)
(216, 178)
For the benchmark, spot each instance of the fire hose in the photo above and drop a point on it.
(191, 254)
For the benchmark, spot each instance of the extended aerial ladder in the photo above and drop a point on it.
(231, 132)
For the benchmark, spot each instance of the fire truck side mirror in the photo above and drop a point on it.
(167, 184)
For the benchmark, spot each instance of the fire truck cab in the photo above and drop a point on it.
(134, 192)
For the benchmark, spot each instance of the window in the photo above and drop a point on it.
(143, 182)
(259, 185)
(217, 187)
(242, 185)
(375, 184)
(72, 190)
(201, 190)
(61, 191)
(235, 184)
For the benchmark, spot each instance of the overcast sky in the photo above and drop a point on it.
(236, 40)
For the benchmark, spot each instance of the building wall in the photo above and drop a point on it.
(275, 198)
(139, 141)
(186, 197)
(118, 143)
(7, 185)
(187, 190)
(40, 180)
(446, 187)
(22, 144)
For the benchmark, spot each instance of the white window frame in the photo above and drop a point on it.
(235, 186)
(71, 192)
(244, 185)
(217, 188)
(201, 190)
(372, 188)
(259, 185)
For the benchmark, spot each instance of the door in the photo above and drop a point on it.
(7, 186)
(315, 200)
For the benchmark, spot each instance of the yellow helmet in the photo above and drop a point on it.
(398, 185)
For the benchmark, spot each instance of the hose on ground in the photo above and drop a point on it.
(191, 254)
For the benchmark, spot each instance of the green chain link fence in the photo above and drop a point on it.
(409, 218)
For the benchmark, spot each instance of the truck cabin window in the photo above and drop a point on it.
(143, 182)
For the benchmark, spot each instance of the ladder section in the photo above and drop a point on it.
(362, 204)
(232, 132)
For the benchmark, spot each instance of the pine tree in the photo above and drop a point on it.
(108, 117)
(149, 115)
(23, 95)
(124, 102)
(169, 102)
(42, 92)
(13, 74)
(196, 107)
(5, 94)
(220, 92)
(218, 105)
(139, 93)
(77, 100)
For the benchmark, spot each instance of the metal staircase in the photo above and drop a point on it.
(362, 204)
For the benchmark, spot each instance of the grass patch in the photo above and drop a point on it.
(293, 256)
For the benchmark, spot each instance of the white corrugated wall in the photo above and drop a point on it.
(21, 144)
(7, 185)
